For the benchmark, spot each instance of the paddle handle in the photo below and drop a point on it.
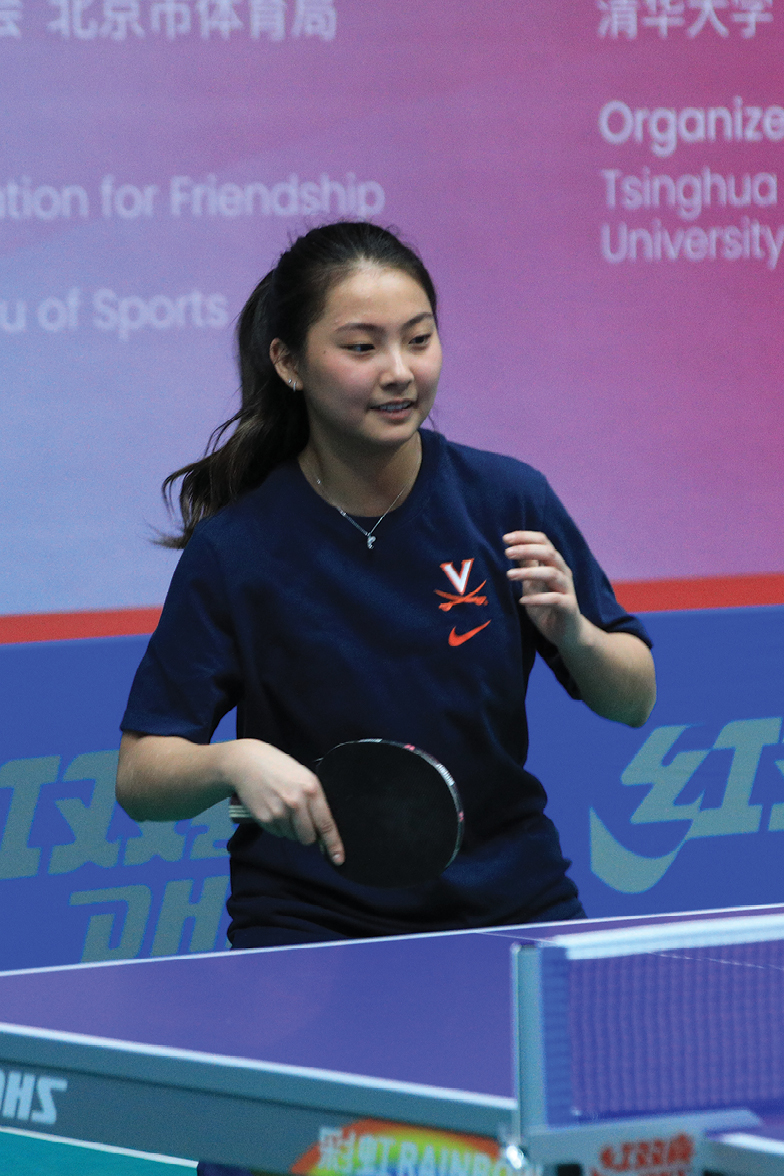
(238, 813)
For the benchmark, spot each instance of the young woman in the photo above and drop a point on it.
(349, 574)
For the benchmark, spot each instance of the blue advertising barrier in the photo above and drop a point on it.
(687, 812)
(684, 813)
(79, 879)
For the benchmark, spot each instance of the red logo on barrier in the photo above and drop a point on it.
(669, 1157)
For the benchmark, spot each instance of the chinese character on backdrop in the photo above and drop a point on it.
(664, 15)
(708, 15)
(268, 16)
(171, 16)
(752, 13)
(10, 18)
(70, 21)
(218, 16)
(620, 16)
(314, 18)
(120, 17)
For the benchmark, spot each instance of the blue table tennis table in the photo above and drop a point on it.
(652, 1045)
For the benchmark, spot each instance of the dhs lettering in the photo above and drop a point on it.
(29, 1098)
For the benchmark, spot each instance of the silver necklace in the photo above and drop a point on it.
(369, 535)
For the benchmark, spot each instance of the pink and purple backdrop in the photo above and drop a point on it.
(648, 390)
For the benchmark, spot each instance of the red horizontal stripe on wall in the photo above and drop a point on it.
(636, 595)
(701, 592)
(116, 622)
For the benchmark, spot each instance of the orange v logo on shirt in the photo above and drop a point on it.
(459, 581)
(460, 638)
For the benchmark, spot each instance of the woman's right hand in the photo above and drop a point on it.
(282, 795)
(168, 778)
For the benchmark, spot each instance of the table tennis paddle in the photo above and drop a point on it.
(397, 809)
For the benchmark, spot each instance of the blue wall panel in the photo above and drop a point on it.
(79, 879)
(688, 811)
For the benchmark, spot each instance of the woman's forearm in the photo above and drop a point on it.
(614, 672)
(166, 778)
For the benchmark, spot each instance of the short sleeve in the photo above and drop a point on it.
(189, 676)
(594, 592)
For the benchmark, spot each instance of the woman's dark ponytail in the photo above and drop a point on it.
(270, 427)
(272, 423)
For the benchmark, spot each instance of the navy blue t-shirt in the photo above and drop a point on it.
(278, 607)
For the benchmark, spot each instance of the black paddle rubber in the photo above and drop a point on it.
(397, 809)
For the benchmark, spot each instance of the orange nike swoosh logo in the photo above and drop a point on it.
(459, 638)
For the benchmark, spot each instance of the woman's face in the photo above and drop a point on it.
(371, 363)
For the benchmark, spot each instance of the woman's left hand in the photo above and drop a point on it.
(548, 588)
(613, 671)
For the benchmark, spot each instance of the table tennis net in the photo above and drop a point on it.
(694, 1022)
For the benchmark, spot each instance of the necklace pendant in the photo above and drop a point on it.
(370, 541)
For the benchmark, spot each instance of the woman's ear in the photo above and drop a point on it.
(283, 363)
